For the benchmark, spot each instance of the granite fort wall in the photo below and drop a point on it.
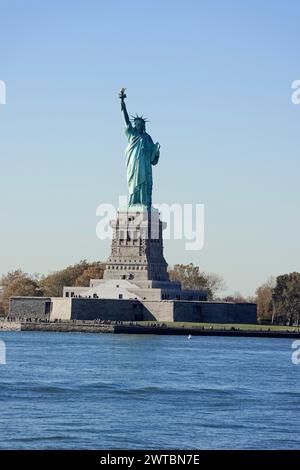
(130, 310)
(106, 309)
(30, 307)
(214, 312)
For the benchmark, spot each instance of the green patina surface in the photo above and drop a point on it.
(141, 153)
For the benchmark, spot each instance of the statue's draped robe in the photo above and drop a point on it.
(140, 153)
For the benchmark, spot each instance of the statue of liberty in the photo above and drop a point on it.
(141, 153)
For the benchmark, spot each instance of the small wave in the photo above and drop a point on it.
(291, 393)
(40, 438)
(33, 388)
(208, 392)
(50, 389)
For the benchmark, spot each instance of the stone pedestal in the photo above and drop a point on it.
(137, 246)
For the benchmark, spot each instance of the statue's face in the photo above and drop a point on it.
(139, 124)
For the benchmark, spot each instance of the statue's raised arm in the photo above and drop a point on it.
(122, 97)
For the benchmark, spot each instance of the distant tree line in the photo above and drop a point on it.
(17, 282)
(278, 299)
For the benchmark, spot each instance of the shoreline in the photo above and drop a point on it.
(250, 331)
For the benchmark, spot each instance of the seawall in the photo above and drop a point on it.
(67, 327)
(203, 332)
(90, 327)
(10, 326)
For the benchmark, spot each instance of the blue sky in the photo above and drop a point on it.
(213, 77)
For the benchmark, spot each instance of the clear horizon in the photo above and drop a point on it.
(215, 81)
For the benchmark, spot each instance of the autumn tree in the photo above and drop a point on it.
(264, 300)
(192, 278)
(215, 283)
(18, 283)
(286, 298)
(53, 283)
(78, 274)
(94, 271)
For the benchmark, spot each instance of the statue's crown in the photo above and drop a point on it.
(137, 117)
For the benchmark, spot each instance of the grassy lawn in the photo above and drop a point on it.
(226, 326)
